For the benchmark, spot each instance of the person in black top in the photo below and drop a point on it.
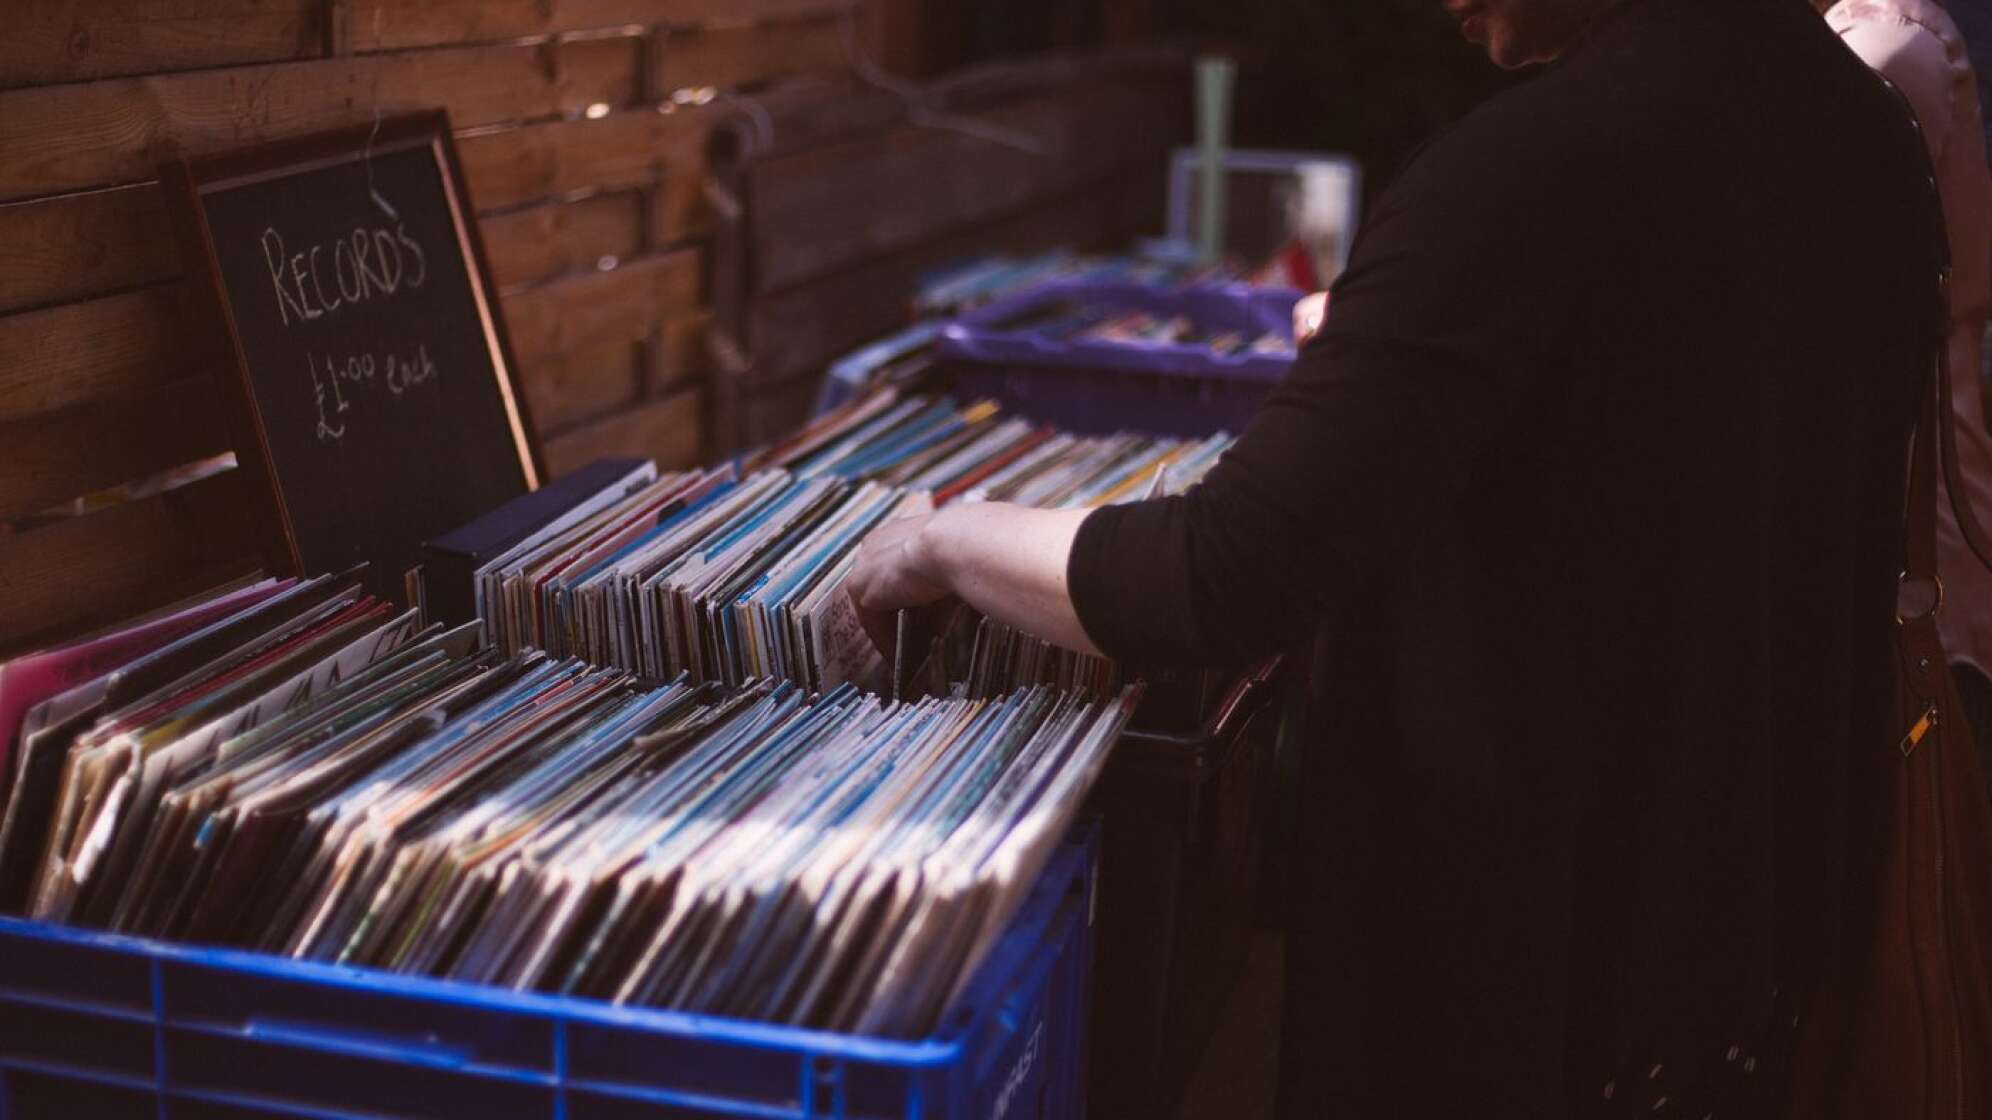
(1589, 498)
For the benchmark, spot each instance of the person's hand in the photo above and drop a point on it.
(894, 571)
(1308, 315)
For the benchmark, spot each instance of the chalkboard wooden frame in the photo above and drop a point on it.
(187, 182)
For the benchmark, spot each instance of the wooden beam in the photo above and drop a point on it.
(807, 115)
(747, 416)
(392, 24)
(587, 310)
(73, 40)
(821, 211)
(680, 352)
(78, 245)
(896, 35)
(983, 87)
(732, 56)
(124, 560)
(565, 391)
(681, 206)
(72, 246)
(797, 331)
(116, 346)
(670, 431)
(544, 243)
(73, 137)
(53, 457)
(510, 167)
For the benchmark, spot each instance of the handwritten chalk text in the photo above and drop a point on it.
(337, 383)
(365, 264)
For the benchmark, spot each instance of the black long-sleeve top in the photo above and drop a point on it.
(1589, 497)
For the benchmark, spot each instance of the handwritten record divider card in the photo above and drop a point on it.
(373, 388)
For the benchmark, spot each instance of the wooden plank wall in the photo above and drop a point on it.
(582, 125)
(829, 212)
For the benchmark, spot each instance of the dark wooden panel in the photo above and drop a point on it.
(509, 167)
(566, 390)
(797, 331)
(680, 351)
(383, 24)
(78, 245)
(810, 115)
(730, 56)
(123, 560)
(896, 35)
(670, 431)
(78, 450)
(73, 246)
(679, 207)
(60, 138)
(687, 12)
(821, 211)
(71, 40)
(623, 305)
(747, 416)
(983, 87)
(115, 346)
(543, 243)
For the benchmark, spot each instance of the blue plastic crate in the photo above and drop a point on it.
(97, 1025)
(1099, 386)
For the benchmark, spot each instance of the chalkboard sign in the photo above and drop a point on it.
(372, 389)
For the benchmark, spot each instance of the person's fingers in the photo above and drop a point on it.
(885, 580)
(889, 537)
(881, 584)
(886, 577)
(1307, 317)
(882, 627)
(858, 585)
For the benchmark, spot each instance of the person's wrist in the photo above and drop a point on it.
(932, 547)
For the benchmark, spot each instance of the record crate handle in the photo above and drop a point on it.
(359, 1044)
(1255, 692)
(1258, 691)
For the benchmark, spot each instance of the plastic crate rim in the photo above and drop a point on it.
(947, 1046)
(801, 1040)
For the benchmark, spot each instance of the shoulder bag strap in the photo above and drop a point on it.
(1935, 446)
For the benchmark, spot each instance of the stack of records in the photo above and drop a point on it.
(730, 576)
(93, 760)
(316, 776)
(704, 573)
(975, 454)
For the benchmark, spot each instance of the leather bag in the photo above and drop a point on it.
(1910, 1037)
